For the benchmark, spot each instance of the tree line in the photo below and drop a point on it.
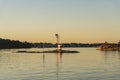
(7, 43)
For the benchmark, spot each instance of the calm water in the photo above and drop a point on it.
(89, 64)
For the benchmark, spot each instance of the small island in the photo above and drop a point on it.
(57, 50)
(109, 46)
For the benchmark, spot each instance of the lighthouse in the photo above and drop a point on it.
(58, 42)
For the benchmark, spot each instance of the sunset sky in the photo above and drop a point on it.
(75, 20)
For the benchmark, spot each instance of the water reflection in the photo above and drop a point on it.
(111, 56)
(59, 57)
(119, 54)
(88, 65)
(58, 63)
(43, 62)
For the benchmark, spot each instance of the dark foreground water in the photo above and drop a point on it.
(89, 64)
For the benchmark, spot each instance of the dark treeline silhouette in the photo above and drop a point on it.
(44, 45)
(7, 44)
(65, 45)
(109, 46)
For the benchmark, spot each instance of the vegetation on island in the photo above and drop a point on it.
(109, 46)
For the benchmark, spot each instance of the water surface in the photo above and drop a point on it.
(89, 64)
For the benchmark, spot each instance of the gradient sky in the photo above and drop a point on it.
(75, 20)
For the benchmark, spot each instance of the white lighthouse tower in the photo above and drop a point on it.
(58, 42)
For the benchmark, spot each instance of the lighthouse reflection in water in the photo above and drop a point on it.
(58, 62)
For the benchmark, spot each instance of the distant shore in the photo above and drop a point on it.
(109, 47)
(13, 44)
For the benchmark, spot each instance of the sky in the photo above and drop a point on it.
(81, 21)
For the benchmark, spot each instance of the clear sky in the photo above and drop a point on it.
(75, 20)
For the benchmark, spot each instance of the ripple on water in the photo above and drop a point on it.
(87, 65)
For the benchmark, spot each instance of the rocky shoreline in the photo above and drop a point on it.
(109, 47)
